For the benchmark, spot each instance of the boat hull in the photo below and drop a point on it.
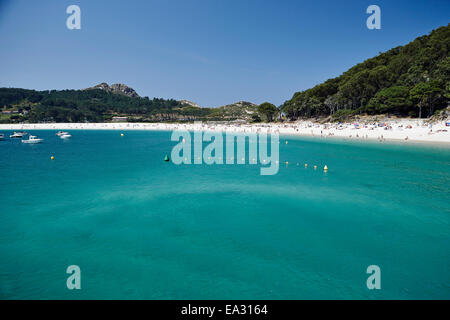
(32, 141)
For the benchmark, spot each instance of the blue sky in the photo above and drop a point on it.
(212, 52)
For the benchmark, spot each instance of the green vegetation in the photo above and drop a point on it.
(412, 80)
(268, 111)
(94, 105)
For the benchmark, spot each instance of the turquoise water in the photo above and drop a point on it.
(142, 228)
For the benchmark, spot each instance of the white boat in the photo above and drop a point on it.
(61, 133)
(19, 134)
(32, 139)
(2, 136)
(65, 136)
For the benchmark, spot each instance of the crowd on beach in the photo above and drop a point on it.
(396, 129)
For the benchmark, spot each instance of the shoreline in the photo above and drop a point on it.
(398, 130)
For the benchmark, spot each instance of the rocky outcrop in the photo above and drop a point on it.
(189, 103)
(441, 115)
(118, 88)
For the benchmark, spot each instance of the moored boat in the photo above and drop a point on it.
(32, 139)
(19, 134)
(61, 133)
(2, 136)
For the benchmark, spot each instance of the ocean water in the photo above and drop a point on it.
(142, 228)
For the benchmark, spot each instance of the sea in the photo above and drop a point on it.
(139, 227)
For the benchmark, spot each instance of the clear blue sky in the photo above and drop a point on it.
(212, 52)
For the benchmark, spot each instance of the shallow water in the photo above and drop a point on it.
(142, 228)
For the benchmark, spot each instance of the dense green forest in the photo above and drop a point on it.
(411, 80)
(94, 105)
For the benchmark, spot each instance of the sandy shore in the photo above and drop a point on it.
(406, 130)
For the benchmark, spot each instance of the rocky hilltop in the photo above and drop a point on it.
(119, 88)
(241, 104)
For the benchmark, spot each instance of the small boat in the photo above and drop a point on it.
(19, 134)
(32, 139)
(65, 136)
(61, 133)
(2, 136)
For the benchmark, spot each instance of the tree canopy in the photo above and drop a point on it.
(268, 111)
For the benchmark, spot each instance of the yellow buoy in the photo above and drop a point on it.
(315, 167)
(52, 158)
(121, 134)
(325, 168)
(306, 165)
(287, 162)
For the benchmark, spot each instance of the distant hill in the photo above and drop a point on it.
(103, 102)
(241, 110)
(411, 80)
(92, 105)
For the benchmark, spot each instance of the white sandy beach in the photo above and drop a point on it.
(406, 130)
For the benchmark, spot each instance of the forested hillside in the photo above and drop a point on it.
(411, 80)
(97, 104)
(93, 105)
